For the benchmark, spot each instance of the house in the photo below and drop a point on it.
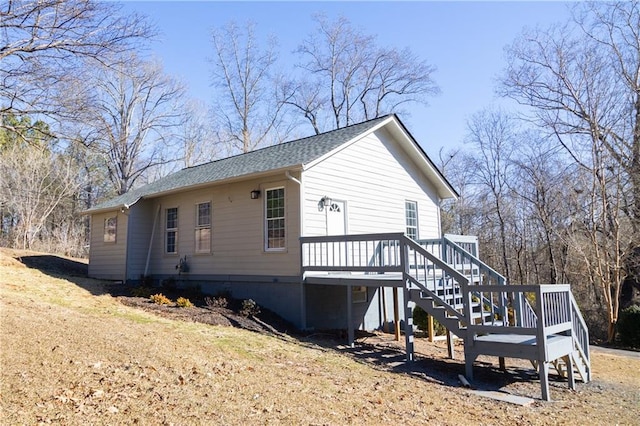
(235, 224)
(337, 230)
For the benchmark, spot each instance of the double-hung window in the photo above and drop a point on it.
(171, 230)
(274, 218)
(411, 217)
(110, 227)
(203, 227)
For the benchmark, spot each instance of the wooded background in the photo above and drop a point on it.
(552, 191)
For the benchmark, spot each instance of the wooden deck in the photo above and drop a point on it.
(541, 323)
(389, 279)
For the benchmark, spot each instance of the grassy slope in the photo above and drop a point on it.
(72, 356)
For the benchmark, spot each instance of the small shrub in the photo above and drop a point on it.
(160, 299)
(421, 319)
(628, 326)
(249, 308)
(216, 302)
(183, 302)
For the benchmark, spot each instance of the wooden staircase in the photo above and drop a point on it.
(446, 278)
(473, 302)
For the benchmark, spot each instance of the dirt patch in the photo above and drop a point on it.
(202, 314)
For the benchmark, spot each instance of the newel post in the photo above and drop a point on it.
(408, 314)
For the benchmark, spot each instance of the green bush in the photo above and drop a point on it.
(421, 319)
(628, 326)
(249, 308)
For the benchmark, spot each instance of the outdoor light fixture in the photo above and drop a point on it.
(324, 201)
(255, 194)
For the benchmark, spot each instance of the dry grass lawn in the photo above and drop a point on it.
(71, 354)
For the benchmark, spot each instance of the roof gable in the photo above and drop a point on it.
(289, 155)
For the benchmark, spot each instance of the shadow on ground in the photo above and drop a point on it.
(74, 271)
(432, 364)
(381, 355)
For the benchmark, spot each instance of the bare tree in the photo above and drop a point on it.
(249, 98)
(492, 135)
(34, 181)
(133, 115)
(197, 136)
(43, 42)
(582, 81)
(349, 78)
(541, 178)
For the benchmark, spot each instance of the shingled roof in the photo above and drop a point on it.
(286, 155)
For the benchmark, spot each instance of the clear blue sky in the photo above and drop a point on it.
(464, 40)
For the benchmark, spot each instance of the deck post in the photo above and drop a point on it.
(543, 372)
(450, 350)
(396, 315)
(430, 327)
(408, 314)
(303, 305)
(350, 334)
(408, 324)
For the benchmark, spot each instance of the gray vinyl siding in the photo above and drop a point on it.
(107, 259)
(238, 246)
(143, 215)
(375, 178)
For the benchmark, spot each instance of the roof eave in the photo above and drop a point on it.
(292, 167)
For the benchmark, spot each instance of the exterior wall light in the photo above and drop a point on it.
(255, 194)
(324, 201)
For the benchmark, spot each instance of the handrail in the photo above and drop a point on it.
(434, 259)
(581, 336)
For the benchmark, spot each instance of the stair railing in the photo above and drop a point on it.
(465, 261)
(581, 340)
(424, 266)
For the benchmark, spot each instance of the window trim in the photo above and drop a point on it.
(267, 219)
(110, 231)
(198, 227)
(406, 219)
(167, 230)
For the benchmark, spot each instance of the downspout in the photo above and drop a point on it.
(153, 231)
(303, 304)
(123, 209)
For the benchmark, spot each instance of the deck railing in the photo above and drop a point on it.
(455, 269)
(367, 253)
(552, 304)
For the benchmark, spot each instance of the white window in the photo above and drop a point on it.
(203, 227)
(274, 218)
(411, 215)
(171, 230)
(110, 228)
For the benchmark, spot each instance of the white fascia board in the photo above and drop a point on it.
(410, 145)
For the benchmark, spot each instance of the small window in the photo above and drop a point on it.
(275, 221)
(359, 294)
(203, 228)
(110, 228)
(411, 215)
(172, 230)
